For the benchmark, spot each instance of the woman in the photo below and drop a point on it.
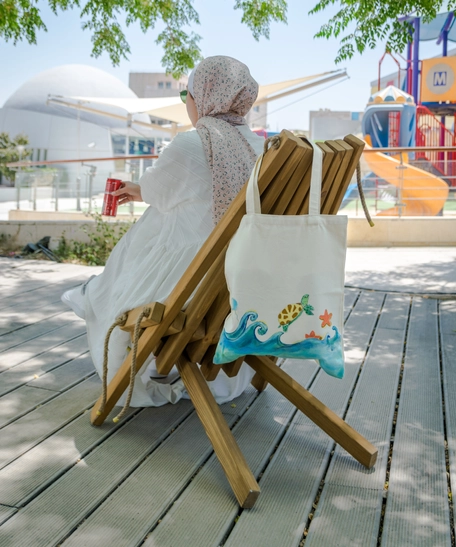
(188, 189)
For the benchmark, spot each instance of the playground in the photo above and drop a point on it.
(409, 129)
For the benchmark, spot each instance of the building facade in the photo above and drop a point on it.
(331, 124)
(159, 84)
(155, 84)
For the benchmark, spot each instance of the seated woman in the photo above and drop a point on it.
(188, 189)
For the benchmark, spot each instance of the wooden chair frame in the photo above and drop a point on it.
(187, 338)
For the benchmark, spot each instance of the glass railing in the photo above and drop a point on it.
(73, 186)
(405, 182)
(399, 183)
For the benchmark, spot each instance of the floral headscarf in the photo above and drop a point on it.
(224, 91)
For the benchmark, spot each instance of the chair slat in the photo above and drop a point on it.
(328, 204)
(300, 202)
(231, 369)
(207, 367)
(358, 147)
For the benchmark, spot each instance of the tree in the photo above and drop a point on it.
(20, 20)
(369, 20)
(11, 150)
(373, 20)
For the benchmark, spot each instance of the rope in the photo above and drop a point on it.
(275, 143)
(361, 195)
(137, 333)
(121, 320)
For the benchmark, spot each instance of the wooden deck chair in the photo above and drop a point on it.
(190, 337)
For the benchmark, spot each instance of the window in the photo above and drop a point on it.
(168, 85)
(160, 85)
(256, 108)
(118, 145)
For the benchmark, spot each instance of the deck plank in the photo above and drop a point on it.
(34, 298)
(291, 481)
(15, 321)
(25, 334)
(21, 435)
(417, 511)
(448, 345)
(35, 470)
(34, 368)
(65, 376)
(21, 276)
(350, 296)
(40, 344)
(371, 414)
(16, 404)
(19, 402)
(6, 512)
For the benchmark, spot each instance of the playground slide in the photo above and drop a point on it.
(423, 194)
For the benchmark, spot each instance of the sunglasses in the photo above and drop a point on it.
(183, 95)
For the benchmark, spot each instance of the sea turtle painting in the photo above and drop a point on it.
(290, 313)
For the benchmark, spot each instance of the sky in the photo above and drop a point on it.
(291, 52)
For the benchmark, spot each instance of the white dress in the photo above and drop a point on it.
(151, 257)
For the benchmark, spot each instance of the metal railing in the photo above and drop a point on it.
(396, 181)
(405, 182)
(75, 185)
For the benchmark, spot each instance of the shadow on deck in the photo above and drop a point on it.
(152, 479)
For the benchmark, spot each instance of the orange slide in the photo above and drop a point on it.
(423, 194)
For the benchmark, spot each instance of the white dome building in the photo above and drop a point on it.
(60, 133)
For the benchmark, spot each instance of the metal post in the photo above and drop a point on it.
(20, 149)
(409, 67)
(56, 189)
(78, 193)
(416, 58)
(444, 37)
(401, 168)
(131, 205)
(91, 175)
(34, 191)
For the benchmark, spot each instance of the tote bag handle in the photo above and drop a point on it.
(252, 198)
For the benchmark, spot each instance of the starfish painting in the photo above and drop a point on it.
(313, 335)
(326, 319)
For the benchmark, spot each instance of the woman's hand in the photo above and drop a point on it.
(129, 191)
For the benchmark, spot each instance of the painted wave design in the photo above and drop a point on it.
(244, 341)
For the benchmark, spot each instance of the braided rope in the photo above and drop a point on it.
(361, 195)
(121, 320)
(137, 333)
(274, 141)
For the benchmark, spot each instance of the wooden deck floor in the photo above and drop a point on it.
(152, 479)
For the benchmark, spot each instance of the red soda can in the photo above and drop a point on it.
(110, 201)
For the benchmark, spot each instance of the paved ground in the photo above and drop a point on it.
(408, 269)
(152, 478)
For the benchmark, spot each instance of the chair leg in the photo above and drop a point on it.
(259, 383)
(236, 469)
(354, 443)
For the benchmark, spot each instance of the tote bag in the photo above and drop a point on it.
(285, 275)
